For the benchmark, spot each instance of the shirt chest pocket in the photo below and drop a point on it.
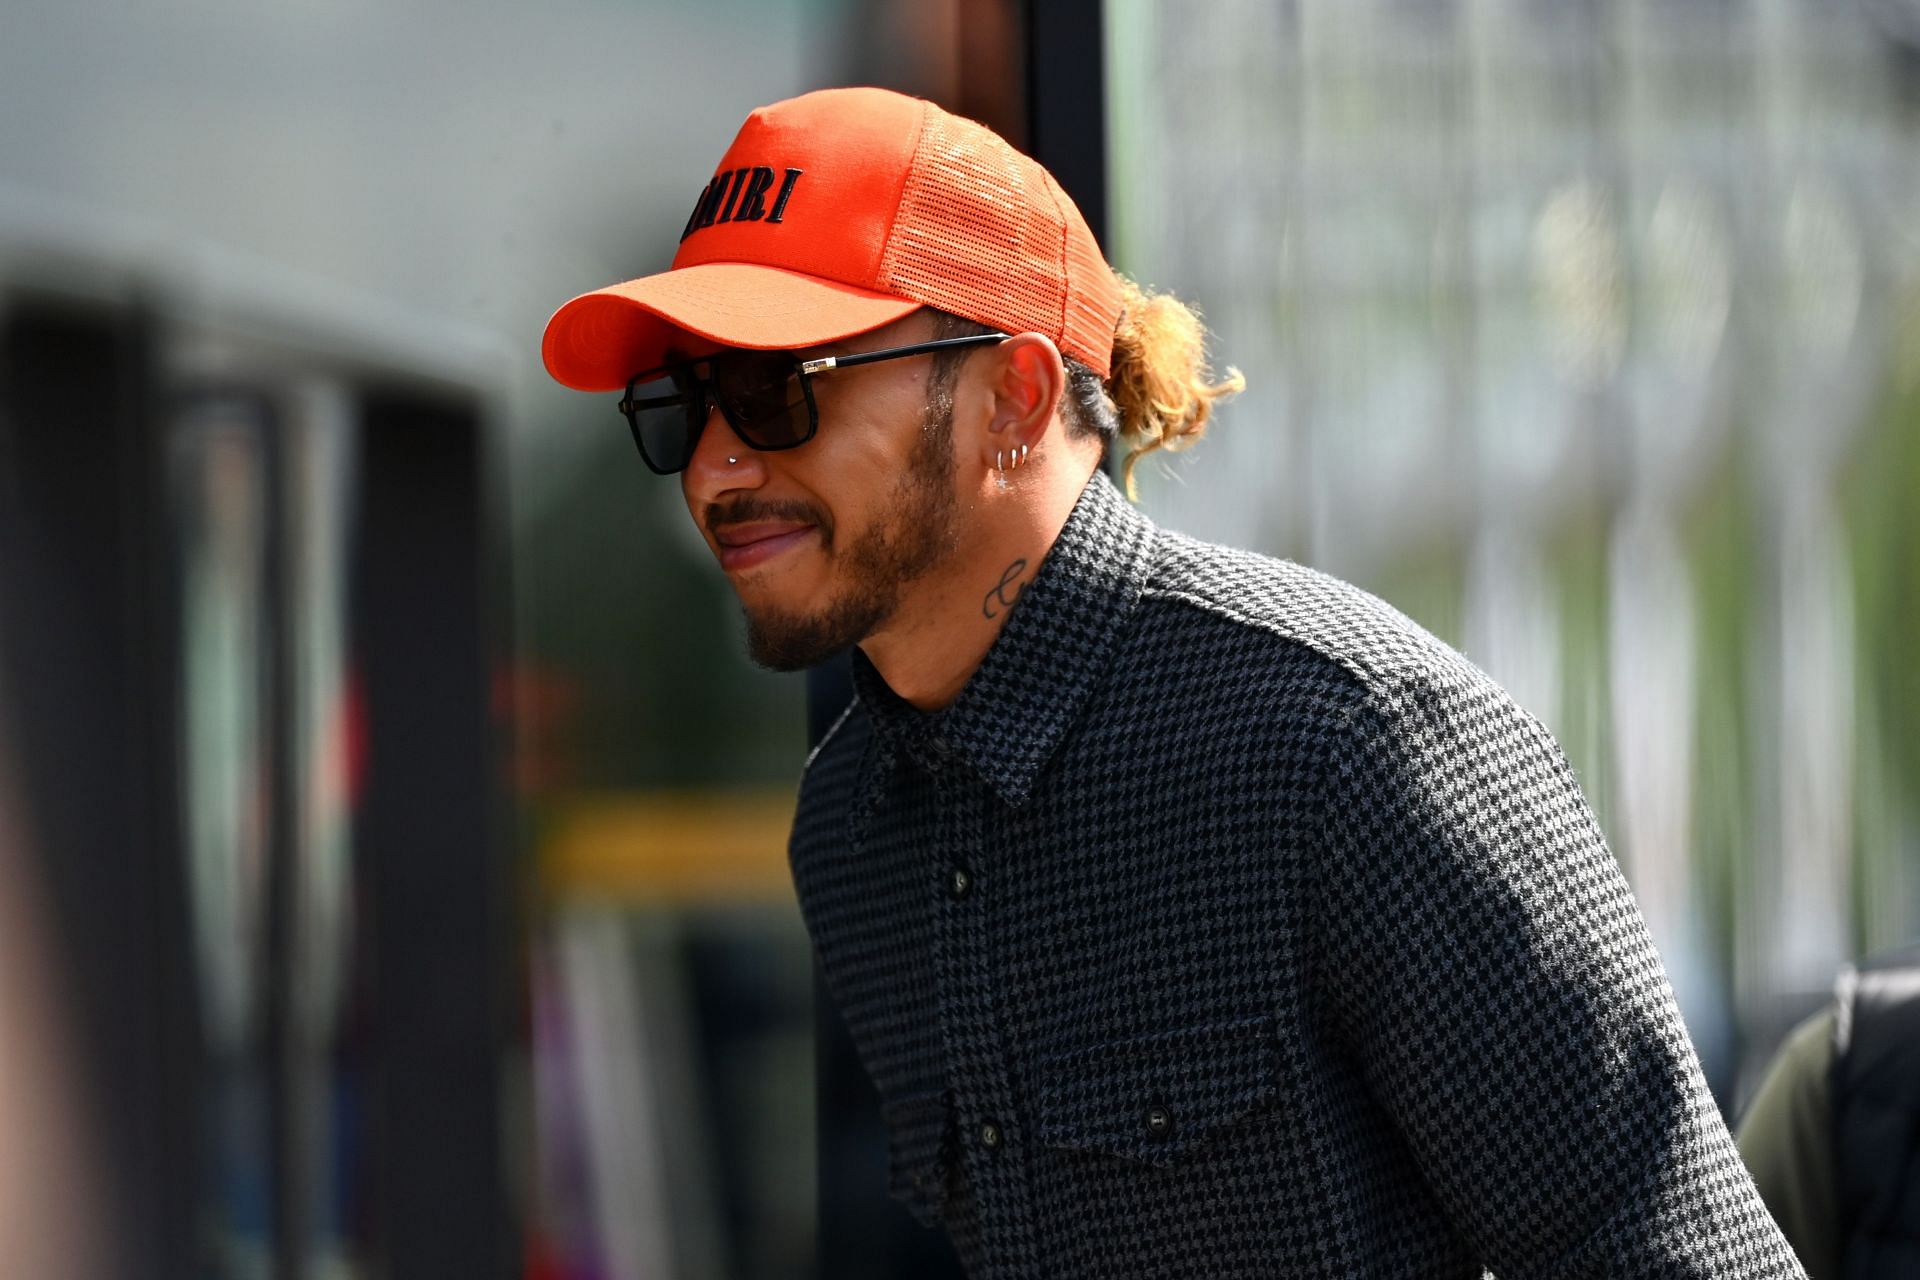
(1163, 1099)
(918, 1130)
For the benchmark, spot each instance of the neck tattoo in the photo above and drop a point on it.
(1006, 591)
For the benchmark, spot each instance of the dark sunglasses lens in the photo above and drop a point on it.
(666, 414)
(763, 398)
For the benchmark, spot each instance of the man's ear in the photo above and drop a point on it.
(1027, 380)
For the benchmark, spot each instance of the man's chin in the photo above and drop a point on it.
(788, 660)
(788, 642)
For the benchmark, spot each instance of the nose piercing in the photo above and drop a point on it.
(732, 461)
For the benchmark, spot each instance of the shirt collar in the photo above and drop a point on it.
(1054, 650)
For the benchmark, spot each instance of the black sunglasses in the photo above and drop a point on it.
(765, 396)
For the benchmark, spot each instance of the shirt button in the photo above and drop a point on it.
(990, 1135)
(1159, 1123)
(959, 883)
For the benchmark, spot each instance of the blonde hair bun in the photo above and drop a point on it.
(1160, 384)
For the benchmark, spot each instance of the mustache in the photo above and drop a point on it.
(746, 510)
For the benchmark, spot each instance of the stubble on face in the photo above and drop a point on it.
(910, 537)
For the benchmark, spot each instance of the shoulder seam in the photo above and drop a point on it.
(1367, 678)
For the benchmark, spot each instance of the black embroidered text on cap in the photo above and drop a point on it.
(740, 195)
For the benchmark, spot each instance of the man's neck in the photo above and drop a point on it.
(946, 623)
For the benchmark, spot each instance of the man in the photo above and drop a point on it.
(1194, 914)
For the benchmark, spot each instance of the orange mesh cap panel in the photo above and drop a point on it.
(978, 234)
(1093, 301)
(840, 211)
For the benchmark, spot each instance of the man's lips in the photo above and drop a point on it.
(742, 546)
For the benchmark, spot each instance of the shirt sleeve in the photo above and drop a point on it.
(1786, 1139)
(1493, 983)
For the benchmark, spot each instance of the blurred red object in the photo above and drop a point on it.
(539, 707)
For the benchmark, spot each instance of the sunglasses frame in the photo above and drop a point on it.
(683, 373)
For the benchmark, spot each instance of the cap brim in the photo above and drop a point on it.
(600, 339)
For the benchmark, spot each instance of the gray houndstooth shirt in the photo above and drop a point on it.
(1229, 925)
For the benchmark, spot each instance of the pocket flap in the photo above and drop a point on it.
(1156, 1098)
(917, 1130)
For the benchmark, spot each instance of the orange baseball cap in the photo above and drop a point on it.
(837, 212)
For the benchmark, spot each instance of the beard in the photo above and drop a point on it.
(912, 536)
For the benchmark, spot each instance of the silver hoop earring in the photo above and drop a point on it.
(1000, 461)
(1023, 457)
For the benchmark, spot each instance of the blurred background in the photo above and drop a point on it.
(392, 871)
